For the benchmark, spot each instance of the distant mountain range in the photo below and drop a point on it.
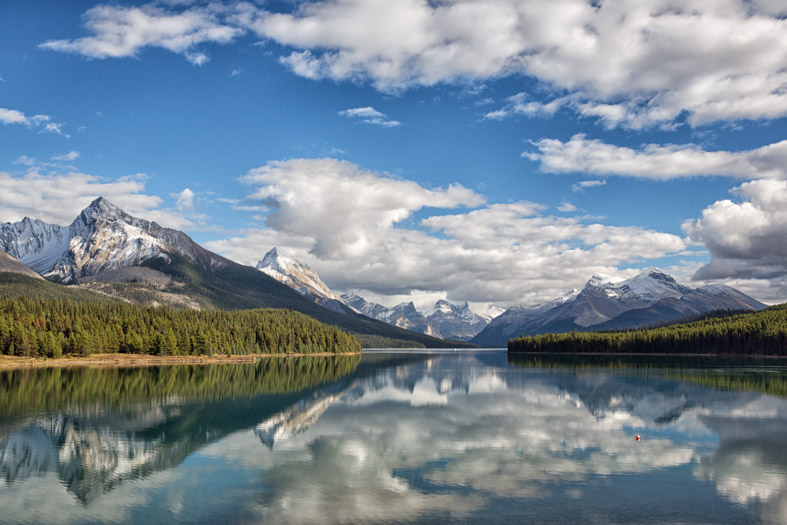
(107, 251)
(606, 303)
(445, 320)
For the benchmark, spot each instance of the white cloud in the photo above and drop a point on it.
(626, 63)
(582, 185)
(54, 127)
(343, 206)
(673, 60)
(71, 156)
(58, 198)
(184, 199)
(746, 239)
(369, 115)
(566, 207)
(523, 104)
(43, 122)
(12, 116)
(356, 229)
(654, 161)
(120, 31)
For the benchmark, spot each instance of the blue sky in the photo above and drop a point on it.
(495, 152)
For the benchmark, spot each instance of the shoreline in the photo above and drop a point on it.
(142, 360)
(652, 354)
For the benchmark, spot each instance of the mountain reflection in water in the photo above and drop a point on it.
(398, 438)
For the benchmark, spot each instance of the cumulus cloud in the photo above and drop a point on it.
(747, 239)
(58, 198)
(345, 207)
(674, 59)
(184, 199)
(626, 63)
(119, 31)
(653, 161)
(369, 115)
(357, 229)
(566, 207)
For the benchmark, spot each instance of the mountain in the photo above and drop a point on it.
(456, 321)
(367, 308)
(136, 260)
(11, 265)
(405, 315)
(288, 270)
(103, 237)
(444, 319)
(606, 303)
(402, 315)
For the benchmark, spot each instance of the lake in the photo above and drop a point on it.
(398, 437)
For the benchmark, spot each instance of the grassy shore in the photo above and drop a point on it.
(140, 360)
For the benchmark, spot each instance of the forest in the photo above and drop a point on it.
(57, 327)
(753, 333)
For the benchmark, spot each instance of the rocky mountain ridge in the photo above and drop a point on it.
(103, 237)
(134, 260)
(445, 319)
(607, 303)
(288, 270)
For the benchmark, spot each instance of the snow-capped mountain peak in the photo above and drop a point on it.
(456, 321)
(288, 270)
(649, 297)
(600, 280)
(281, 260)
(102, 237)
(648, 286)
(652, 285)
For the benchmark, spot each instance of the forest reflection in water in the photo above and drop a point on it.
(403, 437)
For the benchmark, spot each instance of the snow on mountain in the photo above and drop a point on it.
(403, 315)
(102, 237)
(406, 316)
(362, 306)
(35, 243)
(444, 319)
(288, 270)
(607, 302)
(456, 321)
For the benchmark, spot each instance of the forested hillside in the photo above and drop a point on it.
(233, 288)
(53, 327)
(752, 333)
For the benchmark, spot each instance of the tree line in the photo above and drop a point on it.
(754, 333)
(56, 327)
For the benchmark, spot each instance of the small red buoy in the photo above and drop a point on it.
(637, 437)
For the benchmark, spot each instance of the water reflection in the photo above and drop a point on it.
(419, 438)
(96, 428)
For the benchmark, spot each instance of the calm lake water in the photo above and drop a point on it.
(398, 437)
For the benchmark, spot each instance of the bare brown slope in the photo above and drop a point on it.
(10, 264)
